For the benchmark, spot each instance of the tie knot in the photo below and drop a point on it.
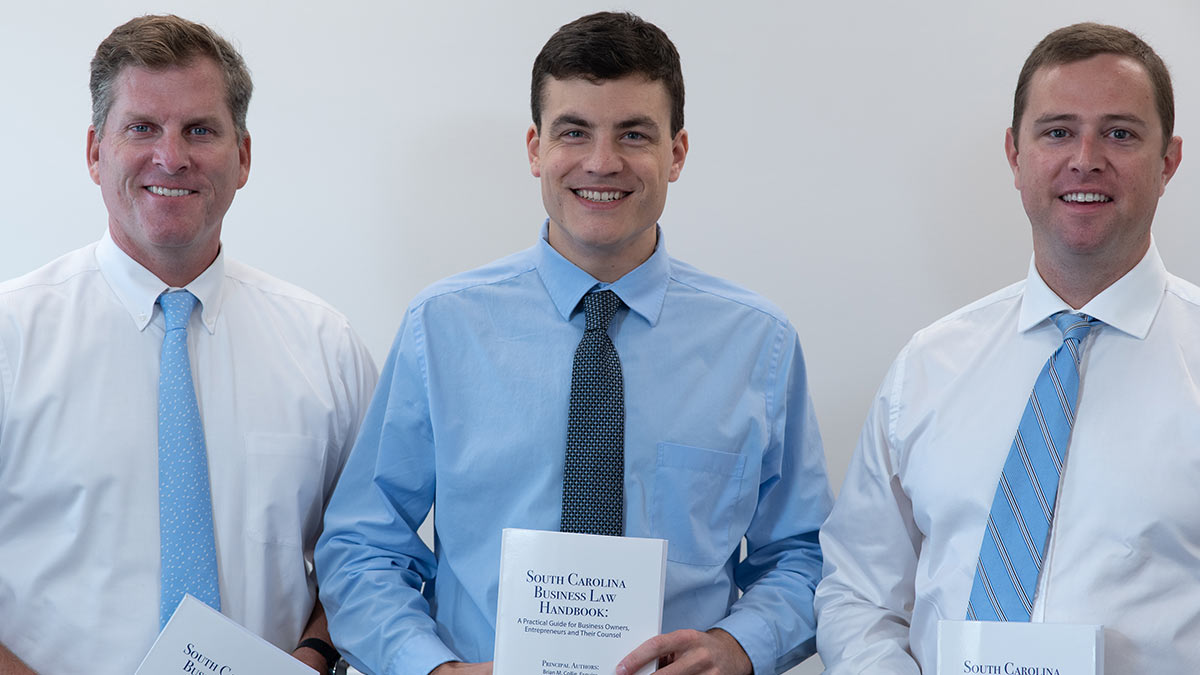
(1074, 326)
(599, 308)
(177, 308)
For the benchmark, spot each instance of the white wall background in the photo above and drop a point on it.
(846, 158)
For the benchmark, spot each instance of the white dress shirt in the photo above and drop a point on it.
(903, 540)
(282, 383)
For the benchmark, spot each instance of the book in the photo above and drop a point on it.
(576, 604)
(200, 640)
(1004, 647)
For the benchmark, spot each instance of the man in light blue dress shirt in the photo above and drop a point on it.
(721, 443)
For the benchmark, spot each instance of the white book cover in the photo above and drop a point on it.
(576, 604)
(200, 640)
(1021, 648)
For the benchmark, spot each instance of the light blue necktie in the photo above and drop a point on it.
(188, 549)
(1018, 528)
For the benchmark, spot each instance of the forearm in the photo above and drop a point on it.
(773, 619)
(11, 665)
(318, 628)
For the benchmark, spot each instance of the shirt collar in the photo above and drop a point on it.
(643, 289)
(137, 288)
(1129, 304)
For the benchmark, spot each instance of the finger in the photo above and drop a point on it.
(657, 647)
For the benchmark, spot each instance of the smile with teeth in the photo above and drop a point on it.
(167, 192)
(597, 196)
(1085, 197)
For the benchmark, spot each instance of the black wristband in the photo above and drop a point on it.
(324, 649)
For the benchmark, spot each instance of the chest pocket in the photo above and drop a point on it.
(696, 495)
(285, 478)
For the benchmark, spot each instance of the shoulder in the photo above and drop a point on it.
(1184, 291)
(469, 285)
(723, 293)
(985, 316)
(940, 352)
(244, 283)
(64, 270)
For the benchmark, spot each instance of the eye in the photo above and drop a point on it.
(1057, 133)
(139, 128)
(200, 131)
(1120, 134)
(573, 133)
(635, 136)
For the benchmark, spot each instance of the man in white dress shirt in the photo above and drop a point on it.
(1091, 150)
(281, 382)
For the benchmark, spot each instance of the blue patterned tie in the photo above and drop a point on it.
(188, 549)
(593, 499)
(1018, 527)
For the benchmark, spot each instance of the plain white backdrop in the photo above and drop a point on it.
(846, 158)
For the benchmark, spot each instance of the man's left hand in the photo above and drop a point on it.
(689, 652)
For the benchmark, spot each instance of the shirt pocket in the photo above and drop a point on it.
(696, 491)
(285, 487)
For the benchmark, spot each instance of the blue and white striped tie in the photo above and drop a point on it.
(1018, 527)
(187, 544)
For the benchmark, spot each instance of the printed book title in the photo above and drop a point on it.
(574, 594)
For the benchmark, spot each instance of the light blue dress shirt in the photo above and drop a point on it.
(721, 444)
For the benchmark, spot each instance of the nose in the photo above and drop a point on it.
(603, 159)
(1089, 155)
(171, 153)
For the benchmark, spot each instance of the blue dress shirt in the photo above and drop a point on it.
(721, 444)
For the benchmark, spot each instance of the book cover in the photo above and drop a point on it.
(576, 604)
(198, 639)
(1019, 647)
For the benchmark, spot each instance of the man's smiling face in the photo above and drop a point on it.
(168, 163)
(1091, 162)
(605, 156)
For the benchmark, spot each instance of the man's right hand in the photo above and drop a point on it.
(460, 668)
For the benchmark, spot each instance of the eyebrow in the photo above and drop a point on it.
(639, 121)
(1107, 119)
(202, 120)
(571, 120)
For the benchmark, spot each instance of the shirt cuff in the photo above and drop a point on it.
(756, 637)
(419, 655)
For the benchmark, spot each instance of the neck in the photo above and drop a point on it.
(605, 264)
(1078, 283)
(175, 267)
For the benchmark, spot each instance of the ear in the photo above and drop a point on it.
(532, 147)
(1010, 150)
(679, 151)
(1171, 162)
(93, 154)
(244, 159)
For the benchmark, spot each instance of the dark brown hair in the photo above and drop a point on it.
(1082, 41)
(605, 46)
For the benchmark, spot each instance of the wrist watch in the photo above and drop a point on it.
(333, 660)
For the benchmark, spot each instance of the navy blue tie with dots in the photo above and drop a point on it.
(593, 499)
(187, 544)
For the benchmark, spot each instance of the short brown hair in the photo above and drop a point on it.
(1082, 41)
(162, 41)
(606, 46)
